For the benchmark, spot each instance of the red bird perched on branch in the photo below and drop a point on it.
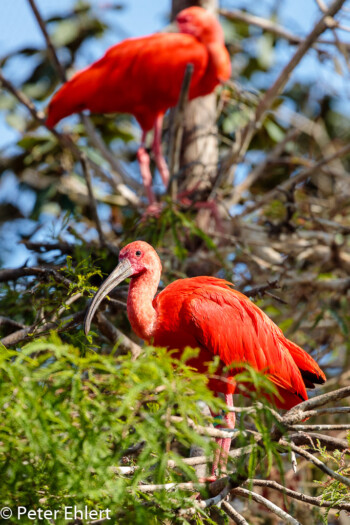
(206, 313)
(143, 77)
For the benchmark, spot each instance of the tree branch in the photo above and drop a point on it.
(298, 495)
(233, 514)
(50, 46)
(93, 205)
(65, 140)
(245, 136)
(287, 518)
(316, 462)
(177, 130)
(271, 27)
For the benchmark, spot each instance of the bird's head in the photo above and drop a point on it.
(135, 259)
(201, 24)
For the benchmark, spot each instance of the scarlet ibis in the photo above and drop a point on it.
(207, 313)
(143, 77)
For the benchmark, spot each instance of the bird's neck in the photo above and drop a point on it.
(220, 60)
(141, 313)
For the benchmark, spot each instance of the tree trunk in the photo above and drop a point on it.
(199, 152)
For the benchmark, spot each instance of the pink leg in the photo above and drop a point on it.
(184, 198)
(144, 163)
(157, 151)
(224, 444)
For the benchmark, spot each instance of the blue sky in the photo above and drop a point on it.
(18, 28)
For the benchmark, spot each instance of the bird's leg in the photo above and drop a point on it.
(144, 163)
(184, 198)
(224, 444)
(157, 151)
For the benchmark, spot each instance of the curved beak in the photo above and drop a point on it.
(121, 272)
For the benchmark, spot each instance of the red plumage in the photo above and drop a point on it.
(140, 76)
(207, 313)
(143, 77)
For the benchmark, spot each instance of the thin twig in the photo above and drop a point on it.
(318, 502)
(6, 321)
(233, 514)
(317, 462)
(271, 27)
(39, 246)
(207, 431)
(171, 486)
(331, 443)
(93, 205)
(321, 411)
(98, 143)
(22, 335)
(57, 64)
(259, 170)
(312, 428)
(287, 518)
(65, 140)
(125, 344)
(297, 179)
(245, 136)
(118, 170)
(12, 274)
(297, 413)
(177, 130)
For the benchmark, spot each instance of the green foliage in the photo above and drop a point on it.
(69, 420)
(334, 491)
(72, 408)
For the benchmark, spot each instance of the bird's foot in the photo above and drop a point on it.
(210, 205)
(208, 479)
(153, 210)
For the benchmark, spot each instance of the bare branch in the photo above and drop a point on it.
(65, 140)
(270, 27)
(287, 518)
(113, 334)
(297, 179)
(312, 428)
(233, 514)
(63, 326)
(298, 495)
(310, 439)
(172, 486)
(245, 136)
(93, 205)
(297, 413)
(36, 246)
(317, 462)
(118, 171)
(177, 130)
(6, 321)
(207, 431)
(12, 274)
(57, 64)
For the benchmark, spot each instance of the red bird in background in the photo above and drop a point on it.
(143, 77)
(206, 313)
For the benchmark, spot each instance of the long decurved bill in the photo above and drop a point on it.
(121, 272)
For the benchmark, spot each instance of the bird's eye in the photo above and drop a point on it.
(138, 253)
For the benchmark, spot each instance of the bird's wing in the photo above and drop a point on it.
(229, 325)
(141, 76)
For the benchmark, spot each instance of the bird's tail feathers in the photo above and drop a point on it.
(309, 369)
